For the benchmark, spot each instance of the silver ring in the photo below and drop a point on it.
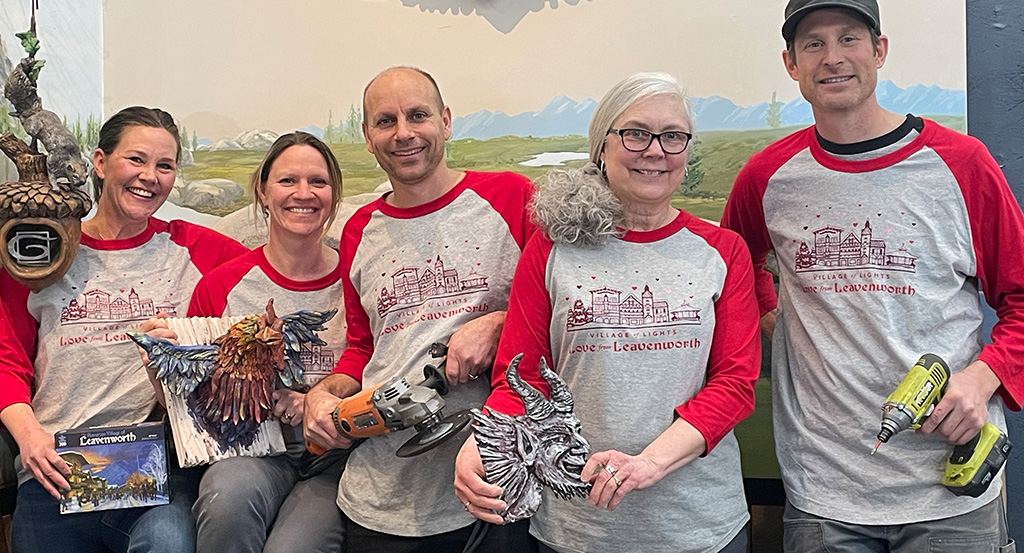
(473, 376)
(466, 505)
(610, 470)
(289, 416)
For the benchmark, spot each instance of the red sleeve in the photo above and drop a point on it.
(17, 343)
(509, 194)
(207, 248)
(204, 303)
(997, 233)
(360, 338)
(526, 330)
(744, 210)
(734, 363)
(210, 297)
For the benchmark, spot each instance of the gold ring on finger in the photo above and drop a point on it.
(618, 483)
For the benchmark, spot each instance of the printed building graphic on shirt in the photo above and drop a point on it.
(832, 251)
(411, 288)
(316, 359)
(608, 309)
(96, 305)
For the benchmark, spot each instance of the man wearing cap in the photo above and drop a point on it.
(885, 228)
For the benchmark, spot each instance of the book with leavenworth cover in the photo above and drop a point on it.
(114, 467)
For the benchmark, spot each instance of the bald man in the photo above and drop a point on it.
(431, 261)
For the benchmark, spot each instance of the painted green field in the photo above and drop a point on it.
(757, 444)
(722, 154)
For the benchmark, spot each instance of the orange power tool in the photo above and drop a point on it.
(397, 405)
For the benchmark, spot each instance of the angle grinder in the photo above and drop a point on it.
(397, 405)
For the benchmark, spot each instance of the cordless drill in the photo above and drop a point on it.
(972, 466)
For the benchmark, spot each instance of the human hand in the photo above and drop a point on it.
(317, 421)
(39, 457)
(477, 496)
(472, 347)
(963, 410)
(157, 328)
(614, 474)
(289, 406)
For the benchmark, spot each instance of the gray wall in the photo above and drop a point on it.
(995, 114)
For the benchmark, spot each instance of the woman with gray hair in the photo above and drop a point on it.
(648, 314)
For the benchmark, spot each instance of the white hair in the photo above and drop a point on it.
(627, 92)
(575, 206)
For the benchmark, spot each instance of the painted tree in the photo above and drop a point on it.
(10, 124)
(92, 134)
(694, 171)
(330, 133)
(195, 141)
(183, 136)
(155, 467)
(774, 117)
(353, 125)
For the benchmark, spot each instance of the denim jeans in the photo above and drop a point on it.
(38, 526)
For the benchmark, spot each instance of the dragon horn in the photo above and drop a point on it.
(536, 405)
(561, 397)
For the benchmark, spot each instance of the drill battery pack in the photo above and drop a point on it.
(972, 466)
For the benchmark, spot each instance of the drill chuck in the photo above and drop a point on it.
(895, 419)
(887, 431)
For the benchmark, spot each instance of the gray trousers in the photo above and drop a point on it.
(249, 505)
(980, 531)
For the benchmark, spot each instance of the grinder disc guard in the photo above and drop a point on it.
(435, 434)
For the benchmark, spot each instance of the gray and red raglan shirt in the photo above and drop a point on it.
(644, 328)
(881, 258)
(413, 276)
(243, 285)
(85, 371)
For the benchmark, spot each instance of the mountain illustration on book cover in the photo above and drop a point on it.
(116, 467)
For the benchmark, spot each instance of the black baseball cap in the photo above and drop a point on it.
(797, 9)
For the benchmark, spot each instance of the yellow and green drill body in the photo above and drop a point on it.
(971, 467)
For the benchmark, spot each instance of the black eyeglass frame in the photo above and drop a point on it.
(653, 136)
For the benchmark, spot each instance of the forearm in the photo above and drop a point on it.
(22, 423)
(338, 385)
(679, 444)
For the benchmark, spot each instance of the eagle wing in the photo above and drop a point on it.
(299, 328)
(180, 368)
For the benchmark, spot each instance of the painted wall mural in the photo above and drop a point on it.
(522, 78)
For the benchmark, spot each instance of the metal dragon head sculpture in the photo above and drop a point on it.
(544, 447)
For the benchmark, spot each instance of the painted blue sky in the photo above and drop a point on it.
(70, 36)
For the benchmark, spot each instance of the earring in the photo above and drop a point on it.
(600, 167)
(266, 213)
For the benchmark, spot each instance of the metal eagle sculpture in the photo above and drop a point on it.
(544, 447)
(229, 383)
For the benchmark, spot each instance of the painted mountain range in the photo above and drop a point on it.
(564, 116)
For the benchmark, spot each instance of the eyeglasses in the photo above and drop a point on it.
(638, 140)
